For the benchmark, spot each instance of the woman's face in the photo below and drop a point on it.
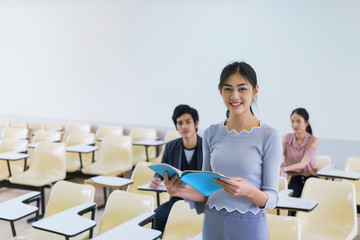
(238, 94)
(298, 123)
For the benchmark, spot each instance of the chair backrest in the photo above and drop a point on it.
(183, 222)
(116, 149)
(18, 124)
(139, 153)
(142, 175)
(283, 227)
(49, 159)
(65, 195)
(47, 136)
(13, 145)
(53, 127)
(76, 127)
(335, 214)
(123, 206)
(171, 135)
(4, 123)
(16, 133)
(35, 126)
(353, 165)
(75, 138)
(322, 161)
(104, 130)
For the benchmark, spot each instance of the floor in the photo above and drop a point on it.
(22, 225)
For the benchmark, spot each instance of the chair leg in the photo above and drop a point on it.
(105, 199)
(13, 228)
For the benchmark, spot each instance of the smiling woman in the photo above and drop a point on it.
(247, 150)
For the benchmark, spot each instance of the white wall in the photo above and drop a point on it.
(133, 61)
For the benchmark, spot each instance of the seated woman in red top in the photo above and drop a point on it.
(299, 150)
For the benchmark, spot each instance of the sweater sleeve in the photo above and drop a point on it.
(271, 166)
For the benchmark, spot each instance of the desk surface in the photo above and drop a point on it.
(297, 204)
(146, 187)
(336, 173)
(82, 148)
(14, 209)
(69, 222)
(32, 145)
(13, 156)
(131, 230)
(197, 237)
(107, 181)
(149, 142)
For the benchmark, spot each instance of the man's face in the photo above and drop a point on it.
(186, 126)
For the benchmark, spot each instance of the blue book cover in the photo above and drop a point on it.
(202, 181)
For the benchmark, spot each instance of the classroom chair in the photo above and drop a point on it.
(64, 195)
(335, 215)
(123, 206)
(76, 127)
(72, 159)
(4, 123)
(169, 136)
(283, 227)
(183, 222)
(47, 167)
(104, 130)
(283, 185)
(115, 154)
(353, 165)
(141, 175)
(18, 124)
(12, 145)
(15, 133)
(322, 161)
(53, 127)
(139, 153)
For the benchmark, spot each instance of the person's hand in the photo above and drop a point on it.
(172, 185)
(154, 182)
(235, 186)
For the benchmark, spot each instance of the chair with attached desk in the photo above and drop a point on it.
(322, 161)
(139, 152)
(335, 216)
(33, 128)
(76, 127)
(115, 155)
(72, 159)
(283, 185)
(53, 127)
(15, 133)
(169, 136)
(183, 222)
(64, 195)
(18, 124)
(44, 136)
(104, 130)
(142, 175)
(123, 206)
(47, 167)
(353, 165)
(12, 145)
(283, 227)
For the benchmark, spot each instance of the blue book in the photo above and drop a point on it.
(202, 181)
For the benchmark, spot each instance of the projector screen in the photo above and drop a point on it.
(133, 61)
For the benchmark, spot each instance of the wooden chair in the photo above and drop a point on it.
(76, 127)
(15, 133)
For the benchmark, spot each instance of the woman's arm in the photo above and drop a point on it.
(237, 186)
(173, 187)
(306, 159)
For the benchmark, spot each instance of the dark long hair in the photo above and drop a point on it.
(302, 112)
(242, 68)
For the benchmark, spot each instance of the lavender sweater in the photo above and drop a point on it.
(254, 156)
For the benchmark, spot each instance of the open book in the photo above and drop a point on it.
(202, 181)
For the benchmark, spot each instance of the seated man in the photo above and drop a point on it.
(184, 153)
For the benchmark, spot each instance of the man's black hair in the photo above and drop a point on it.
(182, 109)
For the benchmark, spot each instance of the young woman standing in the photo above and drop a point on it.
(249, 152)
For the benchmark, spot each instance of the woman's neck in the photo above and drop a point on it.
(300, 136)
(239, 123)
